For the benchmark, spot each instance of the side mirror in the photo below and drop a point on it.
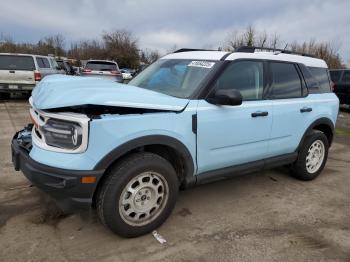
(228, 97)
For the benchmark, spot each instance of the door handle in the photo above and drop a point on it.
(259, 113)
(305, 109)
(12, 71)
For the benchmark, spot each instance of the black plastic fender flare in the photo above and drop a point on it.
(320, 121)
(163, 140)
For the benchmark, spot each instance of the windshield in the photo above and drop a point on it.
(175, 77)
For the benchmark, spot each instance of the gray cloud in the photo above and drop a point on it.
(163, 24)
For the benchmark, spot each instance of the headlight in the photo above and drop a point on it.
(62, 134)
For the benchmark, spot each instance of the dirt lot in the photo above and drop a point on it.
(266, 216)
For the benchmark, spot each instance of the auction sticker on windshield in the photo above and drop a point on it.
(204, 64)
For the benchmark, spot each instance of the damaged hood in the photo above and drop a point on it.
(58, 91)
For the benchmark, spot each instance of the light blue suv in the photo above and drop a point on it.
(191, 117)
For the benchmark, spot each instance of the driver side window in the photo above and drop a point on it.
(244, 76)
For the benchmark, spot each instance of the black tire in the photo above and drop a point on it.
(299, 169)
(119, 176)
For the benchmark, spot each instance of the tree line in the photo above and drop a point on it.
(122, 46)
(119, 45)
(251, 37)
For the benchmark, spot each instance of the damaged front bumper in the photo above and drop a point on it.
(64, 185)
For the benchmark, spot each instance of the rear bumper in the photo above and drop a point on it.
(63, 185)
(11, 88)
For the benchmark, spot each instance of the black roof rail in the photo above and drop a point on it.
(251, 49)
(191, 49)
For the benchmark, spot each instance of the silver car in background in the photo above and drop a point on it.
(19, 73)
(103, 69)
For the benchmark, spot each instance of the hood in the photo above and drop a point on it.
(58, 91)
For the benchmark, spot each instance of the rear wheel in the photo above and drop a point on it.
(312, 157)
(138, 195)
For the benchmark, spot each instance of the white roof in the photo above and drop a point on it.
(206, 55)
(19, 54)
(217, 55)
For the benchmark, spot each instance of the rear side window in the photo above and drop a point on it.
(53, 63)
(286, 82)
(12, 62)
(335, 75)
(101, 66)
(43, 62)
(346, 77)
(321, 76)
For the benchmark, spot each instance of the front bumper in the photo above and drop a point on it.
(63, 185)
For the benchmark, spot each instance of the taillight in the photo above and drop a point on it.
(115, 72)
(37, 76)
(332, 86)
(86, 70)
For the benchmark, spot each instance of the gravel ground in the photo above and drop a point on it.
(266, 216)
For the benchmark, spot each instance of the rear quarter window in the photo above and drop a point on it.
(14, 62)
(321, 77)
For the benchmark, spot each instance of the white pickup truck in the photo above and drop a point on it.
(19, 73)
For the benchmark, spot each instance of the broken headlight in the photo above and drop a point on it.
(62, 134)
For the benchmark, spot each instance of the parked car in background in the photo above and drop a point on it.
(341, 87)
(140, 69)
(126, 73)
(77, 70)
(103, 69)
(19, 73)
(66, 66)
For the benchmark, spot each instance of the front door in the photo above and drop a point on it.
(233, 135)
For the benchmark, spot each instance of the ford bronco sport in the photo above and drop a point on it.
(191, 117)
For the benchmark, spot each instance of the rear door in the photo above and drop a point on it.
(16, 70)
(292, 109)
(233, 135)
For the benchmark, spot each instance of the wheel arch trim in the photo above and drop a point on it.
(163, 140)
(321, 121)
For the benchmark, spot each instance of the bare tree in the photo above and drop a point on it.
(121, 46)
(149, 56)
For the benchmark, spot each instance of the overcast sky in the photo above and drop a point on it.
(161, 24)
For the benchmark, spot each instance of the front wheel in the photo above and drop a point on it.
(138, 195)
(312, 156)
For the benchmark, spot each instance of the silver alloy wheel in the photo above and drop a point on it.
(315, 156)
(143, 199)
